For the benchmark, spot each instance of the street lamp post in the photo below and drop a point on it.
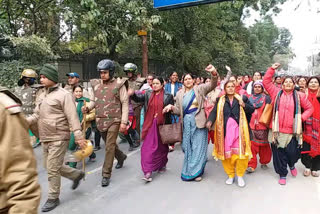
(143, 34)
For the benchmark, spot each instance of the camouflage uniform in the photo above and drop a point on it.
(19, 188)
(111, 104)
(27, 95)
(135, 85)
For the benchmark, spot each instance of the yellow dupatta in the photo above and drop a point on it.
(244, 136)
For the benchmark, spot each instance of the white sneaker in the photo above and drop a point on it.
(241, 182)
(229, 181)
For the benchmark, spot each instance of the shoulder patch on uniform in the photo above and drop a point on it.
(64, 90)
(141, 79)
(121, 82)
(94, 82)
(37, 86)
(10, 104)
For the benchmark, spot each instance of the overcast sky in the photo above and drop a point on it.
(304, 24)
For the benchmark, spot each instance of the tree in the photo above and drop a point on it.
(186, 39)
(23, 52)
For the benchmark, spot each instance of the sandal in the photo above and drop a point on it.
(307, 172)
(198, 179)
(147, 177)
(162, 170)
(315, 174)
(250, 170)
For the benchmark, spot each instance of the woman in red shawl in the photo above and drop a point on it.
(154, 154)
(311, 145)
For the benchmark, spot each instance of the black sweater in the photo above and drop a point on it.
(232, 111)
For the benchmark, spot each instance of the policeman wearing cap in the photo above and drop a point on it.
(55, 116)
(73, 79)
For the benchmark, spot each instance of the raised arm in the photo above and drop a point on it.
(206, 88)
(267, 81)
(226, 78)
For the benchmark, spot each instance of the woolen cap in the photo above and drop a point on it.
(50, 71)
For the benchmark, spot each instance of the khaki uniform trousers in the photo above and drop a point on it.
(53, 154)
(112, 149)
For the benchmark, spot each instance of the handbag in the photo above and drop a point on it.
(170, 133)
(266, 116)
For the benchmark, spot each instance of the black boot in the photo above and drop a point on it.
(76, 182)
(50, 205)
(136, 144)
(105, 182)
(132, 145)
(120, 163)
(97, 148)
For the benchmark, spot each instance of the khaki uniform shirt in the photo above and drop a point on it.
(55, 114)
(19, 188)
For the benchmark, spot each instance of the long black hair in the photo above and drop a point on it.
(314, 77)
(160, 79)
(77, 86)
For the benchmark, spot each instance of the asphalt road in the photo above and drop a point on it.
(128, 194)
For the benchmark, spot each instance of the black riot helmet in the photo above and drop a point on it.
(106, 64)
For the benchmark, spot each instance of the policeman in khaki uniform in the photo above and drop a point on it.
(73, 80)
(28, 91)
(112, 109)
(55, 115)
(19, 188)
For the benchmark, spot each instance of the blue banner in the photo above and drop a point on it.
(169, 4)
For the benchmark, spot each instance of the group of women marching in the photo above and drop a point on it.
(236, 122)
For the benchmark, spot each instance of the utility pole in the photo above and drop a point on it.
(143, 34)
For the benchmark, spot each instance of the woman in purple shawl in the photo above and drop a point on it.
(154, 154)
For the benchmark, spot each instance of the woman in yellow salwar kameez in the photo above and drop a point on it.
(230, 117)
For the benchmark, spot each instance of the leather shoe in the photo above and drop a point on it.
(120, 163)
(50, 205)
(136, 144)
(76, 182)
(97, 148)
(105, 182)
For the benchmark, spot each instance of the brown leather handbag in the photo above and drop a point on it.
(266, 116)
(171, 133)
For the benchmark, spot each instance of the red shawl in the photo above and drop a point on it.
(155, 107)
(312, 126)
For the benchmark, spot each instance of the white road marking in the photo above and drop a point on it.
(99, 168)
